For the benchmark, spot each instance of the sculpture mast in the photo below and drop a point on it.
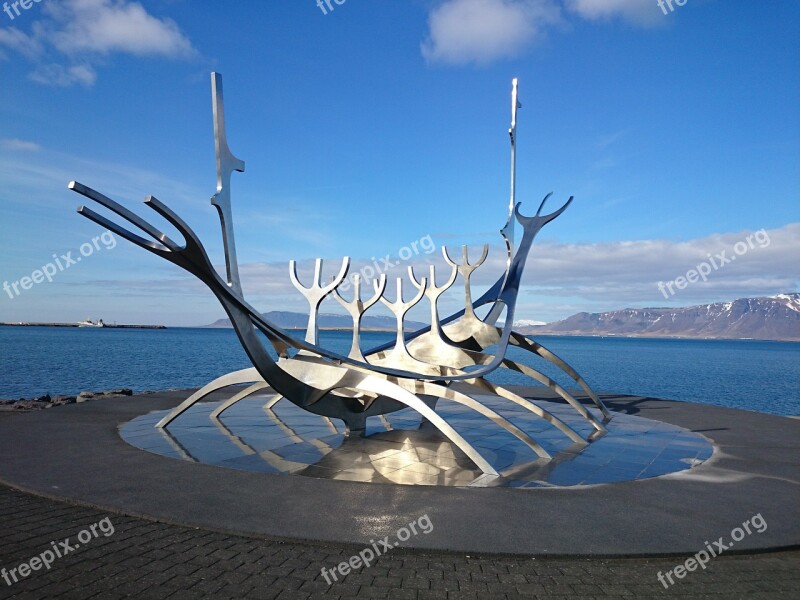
(508, 229)
(227, 163)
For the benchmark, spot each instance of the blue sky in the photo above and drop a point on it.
(381, 124)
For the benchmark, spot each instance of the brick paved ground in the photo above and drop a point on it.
(145, 559)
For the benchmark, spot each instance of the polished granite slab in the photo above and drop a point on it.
(400, 448)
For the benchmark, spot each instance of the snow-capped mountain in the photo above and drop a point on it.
(528, 323)
(765, 318)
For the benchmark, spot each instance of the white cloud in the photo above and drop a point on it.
(19, 145)
(105, 26)
(641, 12)
(71, 37)
(481, 31)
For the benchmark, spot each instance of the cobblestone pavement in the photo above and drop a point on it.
(145, 559)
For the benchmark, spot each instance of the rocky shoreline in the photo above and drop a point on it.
(48, 401)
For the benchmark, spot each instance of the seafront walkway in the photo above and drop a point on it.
(147, 559)
(123, 550)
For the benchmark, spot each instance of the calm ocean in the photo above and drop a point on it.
(753, 375)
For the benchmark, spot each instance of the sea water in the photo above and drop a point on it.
(754, 375)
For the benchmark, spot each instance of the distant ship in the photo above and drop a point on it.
(90, 323)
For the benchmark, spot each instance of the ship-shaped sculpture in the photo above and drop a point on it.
(416, 370)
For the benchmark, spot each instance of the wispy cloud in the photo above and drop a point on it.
(639, 12)
(68, 39)
(19, 145)
(604, 141)
(40, 179)
(27, 45)
(57, 75)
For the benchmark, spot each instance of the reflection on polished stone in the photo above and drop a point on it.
(398, 448)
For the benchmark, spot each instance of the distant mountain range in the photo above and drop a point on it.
(766, 318)
(293, 320)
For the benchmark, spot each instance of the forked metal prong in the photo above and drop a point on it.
(154, 247)
(183, 228)
(399, 306)
(465, 264)
(450, 280)
(541, 206)
(417, 284)
(356, 301)
(484, 254)
(316, 292)
(356, 309)
(447, 258)
(379, 289)
(123, 212)
(432, 289)
(544, 219)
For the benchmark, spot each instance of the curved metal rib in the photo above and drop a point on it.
(470, 357)
(272, 402)
(413, 387)
(385, 388)
(236, 377)
(433, 389)
(536, 348)
(248, 391)
(534, 408)
(542, 378)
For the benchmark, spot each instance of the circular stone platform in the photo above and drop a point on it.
(76, 453)
(401, 448)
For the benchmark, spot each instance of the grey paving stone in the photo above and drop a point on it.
(150, 560)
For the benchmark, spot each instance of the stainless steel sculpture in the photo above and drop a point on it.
(416, 370)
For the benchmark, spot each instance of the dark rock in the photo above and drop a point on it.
(119, 392)
(28, 405)
(84, 397)
(61, 400)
